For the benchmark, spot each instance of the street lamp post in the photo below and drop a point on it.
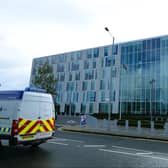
(110, 92)
(151, 82)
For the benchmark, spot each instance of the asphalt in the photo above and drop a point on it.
(77, 150)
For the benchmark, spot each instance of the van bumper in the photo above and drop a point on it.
(32, 142)
(15, 141)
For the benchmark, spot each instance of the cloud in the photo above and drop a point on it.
(48, 11)
(14, 78)
(35, 28)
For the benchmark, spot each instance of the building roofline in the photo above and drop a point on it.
(108, 45)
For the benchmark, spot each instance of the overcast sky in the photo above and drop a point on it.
(35, 28)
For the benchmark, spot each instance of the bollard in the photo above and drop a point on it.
(166, 128)
(152, 126)
(139, 125)
(105, 124)
(109, 126)
(126, 124)
(115, 123)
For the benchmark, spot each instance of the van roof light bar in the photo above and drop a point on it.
(35, 89)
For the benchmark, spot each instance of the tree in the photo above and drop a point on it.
(45, 79)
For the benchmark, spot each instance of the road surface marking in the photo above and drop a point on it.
(58, 143)
(134, 154)
(120, 147)
(148, 153)
(59, 139)
(94, 146)
(64, 139)
(140, 150)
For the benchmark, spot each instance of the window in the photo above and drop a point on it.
(94, 64)
(106, 51)
(104, 74)
(54, 59)
(75, 66)
(62, 58)
(92, 85)
(95, 74)
(84, 97)
(79, 55)
(68, 97)
(91, 108)
(89, 74)
(91, 96)
(102, 62)
(103, 96)
(70, 86)
(73, 56)
(75, 97)
(96, 52)
(115, 50)
(62, 76)
(83, 108)
(59, 97)
(103, 108)
(109, 61)
(70, 76)
(86, 64)
(58, 86)
(114, 72)
(102, 85)
(60, 68)
(114, 95)
(77, 76)
(84, 85)
(89, 53)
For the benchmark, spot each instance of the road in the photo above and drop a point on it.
(77, 150)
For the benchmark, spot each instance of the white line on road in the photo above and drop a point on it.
(57, 143)
(138, 150)
(148, 153)
(94, 146)
(133, 154)
(65, 139)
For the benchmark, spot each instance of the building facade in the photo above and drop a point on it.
(130, 78)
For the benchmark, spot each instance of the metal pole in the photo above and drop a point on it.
(110, 92)
(70, 105)
(120, 105)
(151, 104)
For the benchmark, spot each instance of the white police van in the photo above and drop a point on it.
(26, 117)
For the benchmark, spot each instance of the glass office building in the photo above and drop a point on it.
(129, 77)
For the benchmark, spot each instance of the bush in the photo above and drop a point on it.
(100, 115)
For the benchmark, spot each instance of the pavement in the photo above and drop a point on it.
(103, 128)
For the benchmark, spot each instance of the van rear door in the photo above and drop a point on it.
(28, 125)
(46, 116)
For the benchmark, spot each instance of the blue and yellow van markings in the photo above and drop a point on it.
(4, 130)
